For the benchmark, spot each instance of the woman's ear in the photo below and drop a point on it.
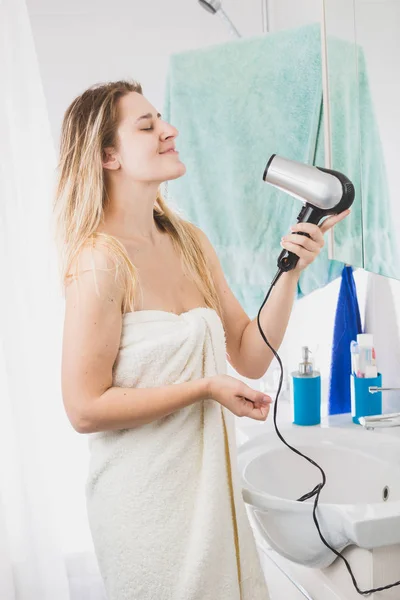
(110, 159)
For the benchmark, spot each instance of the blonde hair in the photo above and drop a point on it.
(90, 125)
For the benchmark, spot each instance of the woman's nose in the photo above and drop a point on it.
(169, 131)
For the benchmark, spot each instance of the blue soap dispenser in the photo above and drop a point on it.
(306, 392)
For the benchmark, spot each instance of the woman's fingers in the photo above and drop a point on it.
(298, 250)
(258, 406)
(307, 247)
(258, 412)
(302, 240)
(331, 221)
(315, 231)
(254, 395)
(312, 230)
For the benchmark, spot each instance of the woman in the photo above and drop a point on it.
(149, 322)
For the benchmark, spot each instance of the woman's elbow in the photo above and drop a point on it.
(79, 419)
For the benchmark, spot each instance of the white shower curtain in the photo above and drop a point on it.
(42, 459)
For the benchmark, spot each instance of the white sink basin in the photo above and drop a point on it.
(359, 504)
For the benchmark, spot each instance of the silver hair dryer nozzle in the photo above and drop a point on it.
(323, 192)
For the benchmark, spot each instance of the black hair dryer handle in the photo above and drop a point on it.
(288, 260)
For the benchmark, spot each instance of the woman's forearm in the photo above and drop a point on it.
(124, 408)
(255, 356)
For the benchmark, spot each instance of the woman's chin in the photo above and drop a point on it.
(179, 171)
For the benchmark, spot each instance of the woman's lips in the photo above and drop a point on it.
(172, 151)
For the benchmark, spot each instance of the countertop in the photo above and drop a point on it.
(247, 428)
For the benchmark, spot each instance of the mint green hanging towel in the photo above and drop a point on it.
(236, 104)
(369, 239)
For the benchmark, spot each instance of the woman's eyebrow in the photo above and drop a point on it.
(148, 116)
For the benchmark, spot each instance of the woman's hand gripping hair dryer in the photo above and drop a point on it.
(323, 191)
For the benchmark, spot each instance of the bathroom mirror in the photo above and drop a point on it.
(363, 80)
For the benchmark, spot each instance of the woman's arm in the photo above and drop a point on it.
(247, 351)
(274, 318)
(125, 408)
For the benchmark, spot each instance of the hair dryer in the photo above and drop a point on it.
(323, 191)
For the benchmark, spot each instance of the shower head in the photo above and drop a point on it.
(214, 7)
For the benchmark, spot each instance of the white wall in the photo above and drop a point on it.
(83, 42)
(286, 14)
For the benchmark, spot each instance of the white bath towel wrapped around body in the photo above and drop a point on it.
(164, 502)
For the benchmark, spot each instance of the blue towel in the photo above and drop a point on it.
(347, 326)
